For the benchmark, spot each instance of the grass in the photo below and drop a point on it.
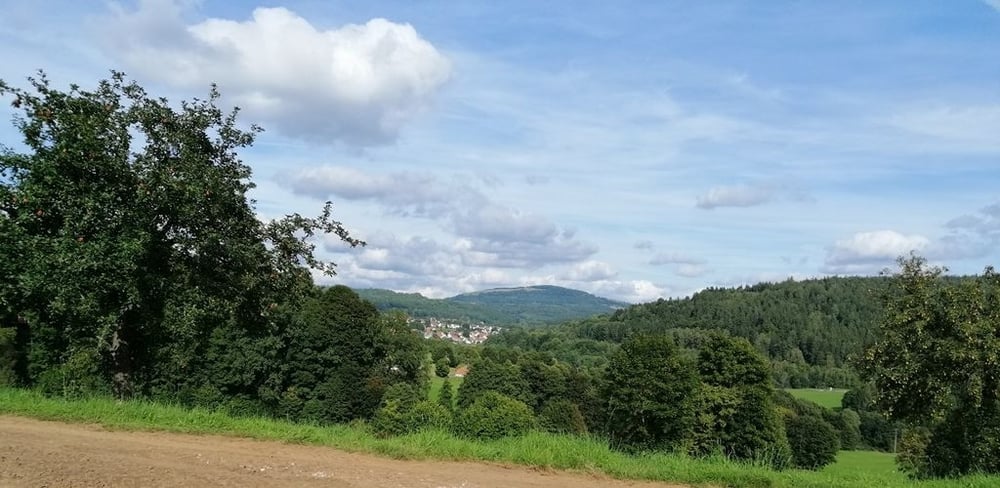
(826, 398)
(535, 450)
(436, 383)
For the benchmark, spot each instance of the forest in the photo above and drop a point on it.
(135, 266)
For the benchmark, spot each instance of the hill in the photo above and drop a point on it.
(529, 305)
(810, 330)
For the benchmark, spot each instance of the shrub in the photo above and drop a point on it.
(877, 432)
(427, 415)
(814, 442)
(447, 397)
(390, 419)
(912, 453)
(562, 417)
(492, 416)
(79, 376)
(442, 367)
(849, 425)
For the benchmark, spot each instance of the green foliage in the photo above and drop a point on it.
(649, 395)
(912, 451)
(736, 409)
(938, 365)
(395, 417)
(860, 399)
(562, 417)
(442, 367)
(489, 374)
(128, 240)
(877, 432)
(493, 416)
(814, 442)
(446, 398)
(849, 427)
(8, 357)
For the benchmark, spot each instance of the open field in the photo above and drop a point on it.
(826, 398)
(536, 450)
(436, 387)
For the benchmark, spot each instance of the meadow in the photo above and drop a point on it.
(538, 450)
(829, 398)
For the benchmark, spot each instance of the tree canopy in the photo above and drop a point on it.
(133, 259)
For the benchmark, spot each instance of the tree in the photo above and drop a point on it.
(494, 415)
(447, 398)
(814, 442)
(490, 374)
(937, 365)
(130, 248)
(442, 368)
(650, 395)
(737, 412)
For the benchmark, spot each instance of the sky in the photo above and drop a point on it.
(635, 150)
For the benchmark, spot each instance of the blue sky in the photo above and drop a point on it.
(631, 149)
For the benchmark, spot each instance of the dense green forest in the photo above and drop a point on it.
(809, 330)
(526, 306)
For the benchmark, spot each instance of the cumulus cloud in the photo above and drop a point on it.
(749, 195)
(356, 84)
(867, 252)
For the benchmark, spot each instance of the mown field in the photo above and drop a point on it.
(534, 450)
(826, 398)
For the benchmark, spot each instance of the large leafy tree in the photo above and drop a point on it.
(129, 246)
(937, 366)
(650, 395)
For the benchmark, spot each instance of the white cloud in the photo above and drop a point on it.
(965, 127)
(735, 196)
(749, 195)
(867, 252)
(356, 84)
(488, 234)
(993, 3)
(589, 271)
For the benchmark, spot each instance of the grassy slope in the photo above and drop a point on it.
(536, 449)
(826, 398)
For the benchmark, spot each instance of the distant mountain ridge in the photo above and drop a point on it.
(526, 305)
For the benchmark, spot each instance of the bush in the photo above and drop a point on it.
(814, 442)
(428, 415)
(849, 426)
(492, 416)
(447, 397)
(442, 368)
(912, 453)
(8, 357)
(562, 417)
(79, 376)
(877, 432)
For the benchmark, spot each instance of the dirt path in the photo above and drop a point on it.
(35, 453)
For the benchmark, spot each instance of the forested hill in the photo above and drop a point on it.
(531, 305)
(819, 321)
(808, 329)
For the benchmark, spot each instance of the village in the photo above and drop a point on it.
(463, 333)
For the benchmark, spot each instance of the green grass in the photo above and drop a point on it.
(535, 449)
(826, 398)
(436, 383)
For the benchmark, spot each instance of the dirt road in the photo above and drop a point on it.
(49, 454)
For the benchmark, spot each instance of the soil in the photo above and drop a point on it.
(38, 454)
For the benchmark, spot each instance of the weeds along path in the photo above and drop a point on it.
(39, 453)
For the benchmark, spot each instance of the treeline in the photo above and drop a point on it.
(808, 330)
